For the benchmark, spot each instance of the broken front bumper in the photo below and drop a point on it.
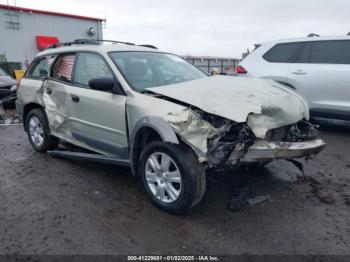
(262, 151)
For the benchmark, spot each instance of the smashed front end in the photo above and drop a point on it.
(233, 121)
(293, 141)
(223, 144)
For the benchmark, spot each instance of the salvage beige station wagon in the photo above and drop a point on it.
(137, 106)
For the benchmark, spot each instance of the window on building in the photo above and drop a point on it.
(330, 52)
(90, 66)
(64, 67)
(283, 53)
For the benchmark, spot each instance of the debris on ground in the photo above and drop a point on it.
(4, 121)
(259, 199)
(8, 117)
(325, 197)
(317, 189)
(242, 197)
(313, 182)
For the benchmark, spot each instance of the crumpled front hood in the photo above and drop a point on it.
(263, 104)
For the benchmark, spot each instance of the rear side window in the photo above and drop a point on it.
(283, 53)
(304, 56)
(64, 67)
(40, 68)
(330, 52)
(90, 66)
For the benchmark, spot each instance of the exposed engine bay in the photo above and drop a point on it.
(224, 144)
(239, 135)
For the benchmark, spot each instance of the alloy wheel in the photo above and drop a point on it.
(163, 177)
(36, 131)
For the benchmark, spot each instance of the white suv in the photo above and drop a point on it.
(317, 67)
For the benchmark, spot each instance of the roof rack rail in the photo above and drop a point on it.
(55, 45)
(149, 46)
(95, 42)
(87, 42)
(114, 42)
(313, 35)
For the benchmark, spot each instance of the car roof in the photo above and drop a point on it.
(101, 48)
(307, 39)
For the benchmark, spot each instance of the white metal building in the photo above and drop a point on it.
(24, 32)
(225, 65)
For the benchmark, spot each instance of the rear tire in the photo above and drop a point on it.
(172, 176)
(38, 131)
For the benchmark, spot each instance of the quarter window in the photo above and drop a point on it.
(64, 67)
(283, 53)
(41, 67)
(330, 52)
(90, 66)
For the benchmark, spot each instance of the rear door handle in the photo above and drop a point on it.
(75, 98)
(299, 72)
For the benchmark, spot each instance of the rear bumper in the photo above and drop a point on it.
(263, 151)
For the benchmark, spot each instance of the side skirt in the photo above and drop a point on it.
(89, 157)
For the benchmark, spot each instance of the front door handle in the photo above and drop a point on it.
(48, 91)
(75, 98)
(299, 72)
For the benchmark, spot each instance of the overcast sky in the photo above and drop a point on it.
(215, 28)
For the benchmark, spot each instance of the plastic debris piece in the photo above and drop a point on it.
(259, 199)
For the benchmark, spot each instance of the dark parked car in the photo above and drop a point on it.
(7, 90)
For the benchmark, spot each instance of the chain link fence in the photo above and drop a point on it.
(208, 64)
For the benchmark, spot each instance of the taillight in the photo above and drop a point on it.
(18, 82)
(240, 70)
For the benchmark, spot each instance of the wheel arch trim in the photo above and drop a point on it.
(160, 126)
(26, 109)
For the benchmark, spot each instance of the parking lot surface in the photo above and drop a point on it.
(57, 206)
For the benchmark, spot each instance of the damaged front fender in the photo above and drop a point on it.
(211, 137)
(193, 130)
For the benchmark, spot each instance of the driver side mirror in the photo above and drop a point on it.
(106, 84)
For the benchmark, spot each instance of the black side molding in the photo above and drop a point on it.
(89, 157)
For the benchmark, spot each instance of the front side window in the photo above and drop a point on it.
(89, 66)
(64, 67)
(147, 69)
(283, 53)
(330, 52)
(41, 67)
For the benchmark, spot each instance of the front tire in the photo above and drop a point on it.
(172, 176)
(38, 131)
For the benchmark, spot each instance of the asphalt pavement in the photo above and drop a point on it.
(57, 206)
